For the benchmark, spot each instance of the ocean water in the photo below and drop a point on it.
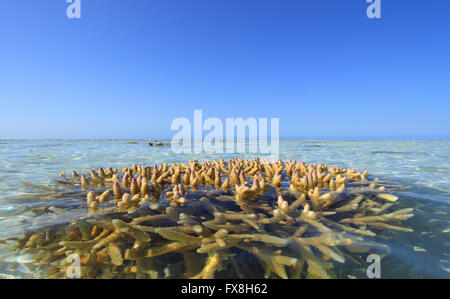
(422, 168)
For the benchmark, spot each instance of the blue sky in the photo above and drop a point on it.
(126, 69)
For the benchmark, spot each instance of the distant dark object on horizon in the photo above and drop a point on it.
(158, 144)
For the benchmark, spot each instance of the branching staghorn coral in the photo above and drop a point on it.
(196, 220)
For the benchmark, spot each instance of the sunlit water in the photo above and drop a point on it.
(423, 167)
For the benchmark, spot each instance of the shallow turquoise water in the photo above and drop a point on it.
(423, 167)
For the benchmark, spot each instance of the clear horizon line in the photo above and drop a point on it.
(281, 139)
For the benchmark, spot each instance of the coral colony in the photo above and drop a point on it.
(217, 219)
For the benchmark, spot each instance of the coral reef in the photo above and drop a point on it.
(237, 219)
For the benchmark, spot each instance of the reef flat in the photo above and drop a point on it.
(237, 219)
